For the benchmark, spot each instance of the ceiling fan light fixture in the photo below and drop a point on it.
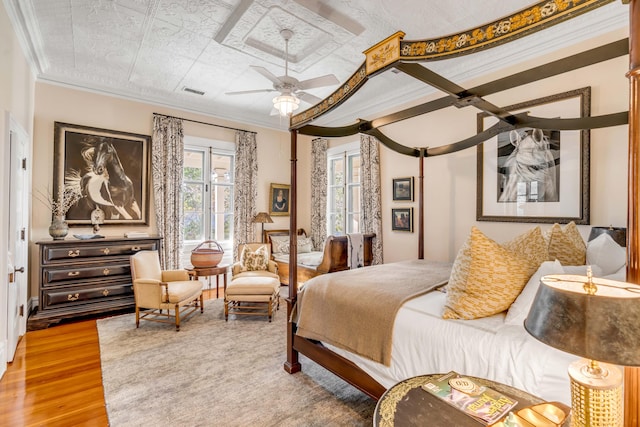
(286, 104)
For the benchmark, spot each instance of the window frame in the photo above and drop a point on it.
(347, 152)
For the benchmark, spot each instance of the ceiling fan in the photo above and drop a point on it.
(291, 89)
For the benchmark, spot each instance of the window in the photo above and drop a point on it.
(208, 195)
(343, 195)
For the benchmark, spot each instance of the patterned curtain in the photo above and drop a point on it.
(371, 195)
(245, 189)
(167, 159)
(318, 192)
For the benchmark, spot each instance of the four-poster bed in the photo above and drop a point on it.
(402, 55)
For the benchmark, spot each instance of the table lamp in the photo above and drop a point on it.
(599, 320)
(262, 217)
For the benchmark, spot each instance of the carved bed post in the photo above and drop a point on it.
(421, 206)
(292, 364)
(632, 375)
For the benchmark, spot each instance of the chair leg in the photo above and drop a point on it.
(269, 309)
(226, 309)
(137, 316)
(201, 303)
(177, 310)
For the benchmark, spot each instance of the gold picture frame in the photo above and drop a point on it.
(279, 199)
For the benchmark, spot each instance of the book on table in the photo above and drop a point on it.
(481, 402)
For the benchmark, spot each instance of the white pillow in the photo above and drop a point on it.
(519, 310)
(305, 245)
(618, 276)
(279, 244)
(604, 252)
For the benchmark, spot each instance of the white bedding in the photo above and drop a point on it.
(425, 343)
(307, 259)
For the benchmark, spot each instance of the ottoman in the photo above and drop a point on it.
(252, 295)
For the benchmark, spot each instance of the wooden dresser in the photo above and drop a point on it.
(85, 278)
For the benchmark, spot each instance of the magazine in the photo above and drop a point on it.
(481, 402)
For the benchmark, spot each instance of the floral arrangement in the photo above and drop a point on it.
(67, 197)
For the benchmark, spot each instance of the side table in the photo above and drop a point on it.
(217, 271)
(407, 404)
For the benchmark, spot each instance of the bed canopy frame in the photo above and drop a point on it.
(394, 52)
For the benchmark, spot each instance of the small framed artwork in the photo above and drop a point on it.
(402, 219)
(403, 189)
(109, 168)
(536, 175)
(279, 200)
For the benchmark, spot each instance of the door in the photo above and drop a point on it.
(18, 238)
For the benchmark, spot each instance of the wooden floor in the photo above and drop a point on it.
(55, 378)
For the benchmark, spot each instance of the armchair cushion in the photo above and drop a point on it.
(183, 290)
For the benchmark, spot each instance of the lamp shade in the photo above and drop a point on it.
(262, 217)
(619, 234)
(286, 104)
(604, 326)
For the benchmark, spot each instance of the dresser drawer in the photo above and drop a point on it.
(75, 295)
(52, 275)
(77, 252)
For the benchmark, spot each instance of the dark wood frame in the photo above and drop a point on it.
(134, 151)
(398, 227)
(399, 181)
(458, 96)
(273, 211)
(582, 152)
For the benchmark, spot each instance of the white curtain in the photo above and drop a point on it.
(371, 194)
(318, 232)
(167, 160)
(245, 189)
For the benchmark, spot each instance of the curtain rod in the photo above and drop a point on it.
(203, 123)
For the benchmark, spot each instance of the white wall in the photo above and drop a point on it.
(16, 101)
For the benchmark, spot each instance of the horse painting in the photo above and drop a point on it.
(105, 183)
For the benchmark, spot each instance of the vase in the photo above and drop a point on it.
(58, 228)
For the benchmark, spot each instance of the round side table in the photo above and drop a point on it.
(217, 271)
(407, 404)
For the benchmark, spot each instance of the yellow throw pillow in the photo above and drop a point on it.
(531, 246)
(566, 245)
(485, 280)
(254, 261)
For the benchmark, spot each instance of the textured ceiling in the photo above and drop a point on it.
(151, 50)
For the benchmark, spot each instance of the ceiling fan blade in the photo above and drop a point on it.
(326, 80)
(268, 74)
(244, 92)
(307, 97)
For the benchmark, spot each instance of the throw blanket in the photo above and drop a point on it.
(355, 250)
(356, 309)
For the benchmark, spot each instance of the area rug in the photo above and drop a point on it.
(217, 373)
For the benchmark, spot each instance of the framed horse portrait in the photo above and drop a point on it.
(536, 175)
(108, 169)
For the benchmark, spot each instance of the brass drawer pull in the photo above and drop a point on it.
(74, 254)
(135, 248)
(106, 251)
(105, 292)
(106, 271)
(73, 273)
(73, 297)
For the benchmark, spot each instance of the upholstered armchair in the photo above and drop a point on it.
(255, 285)
(159, 292)
(237, 269)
